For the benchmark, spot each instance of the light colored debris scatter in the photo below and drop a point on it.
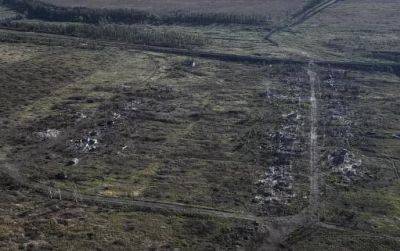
(346, 164)
(341, 161)
(48, 134)
(276, 186)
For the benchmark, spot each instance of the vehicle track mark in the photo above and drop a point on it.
(314, 151)
(299, 18)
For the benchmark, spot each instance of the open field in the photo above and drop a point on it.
(136, 136)
(345, 31)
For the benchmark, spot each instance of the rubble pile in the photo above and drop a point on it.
(87, 144)
(341, 161)
(48, 134)
(276, 186)
(345, 163)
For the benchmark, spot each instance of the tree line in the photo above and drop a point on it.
(40, 10)
(113, 32)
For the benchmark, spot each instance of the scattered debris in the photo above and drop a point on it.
(290, 115)
(90, 144)
(276, 186)
(286, 141)
(132, 105)
(344, 162)
(37, 245)
(189, 63)
(85, 145)
(48, 134)
(81, 116)
(275, 189)
(331, 81)
(116, 116)
(61, 176)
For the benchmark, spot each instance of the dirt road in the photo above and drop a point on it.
(314, 153)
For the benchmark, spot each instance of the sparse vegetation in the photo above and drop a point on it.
(174, 133)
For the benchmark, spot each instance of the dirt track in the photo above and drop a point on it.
(314, 155)
(300, 17)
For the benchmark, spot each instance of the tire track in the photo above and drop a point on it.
(13, 175)
(141, 205)
(357, 233)
(8, 171)
(300, 17)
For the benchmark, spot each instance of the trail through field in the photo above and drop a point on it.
(145, 205)
(300, 17)
(314, 151)
(9, 172)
